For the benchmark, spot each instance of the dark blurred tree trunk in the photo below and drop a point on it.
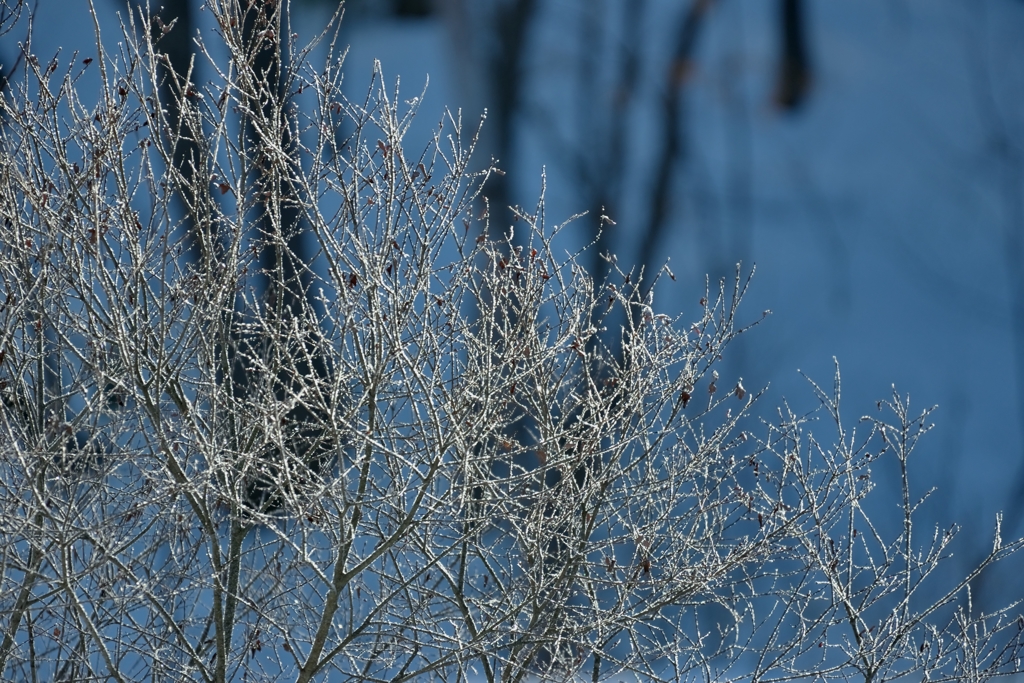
(6, 71)
(1002, 145)
(491, 42)
(673, 148)
(497, 44)
(413, 8)
(279, 226)
(172, 30)
(285, 255)
(794, 78)
(506, 81)
(1012, 172)
(604, 126)
(10, 12)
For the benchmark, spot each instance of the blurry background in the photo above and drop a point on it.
(867, 155)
